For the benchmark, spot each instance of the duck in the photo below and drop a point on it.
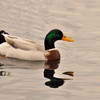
(24, 49)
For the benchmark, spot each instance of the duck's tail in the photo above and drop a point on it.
(2, 31)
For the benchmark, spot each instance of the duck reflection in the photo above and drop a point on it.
(49, 72)
(1, 64)
(4, 73)
(54, 82)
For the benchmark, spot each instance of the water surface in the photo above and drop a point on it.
(31, 19)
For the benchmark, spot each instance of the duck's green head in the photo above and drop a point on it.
(53, 36)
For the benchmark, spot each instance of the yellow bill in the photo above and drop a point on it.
(67, 39)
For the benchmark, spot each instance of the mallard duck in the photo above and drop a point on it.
(16, 47)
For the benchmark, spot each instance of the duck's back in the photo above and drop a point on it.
(9, 51)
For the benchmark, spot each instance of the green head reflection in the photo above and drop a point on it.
(49, 71)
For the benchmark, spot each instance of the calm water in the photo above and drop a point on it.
(31, 19)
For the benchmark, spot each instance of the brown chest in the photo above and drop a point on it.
(52, 55)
